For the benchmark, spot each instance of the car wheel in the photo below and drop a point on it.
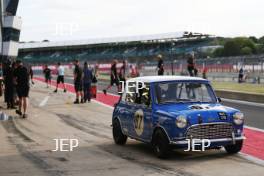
(161, 144)
(118, 135)
(232, 149)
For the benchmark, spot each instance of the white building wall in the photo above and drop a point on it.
(14, 22)
(10, 49)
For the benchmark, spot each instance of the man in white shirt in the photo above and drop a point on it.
(60, 78)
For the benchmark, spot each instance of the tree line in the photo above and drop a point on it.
(238, 46)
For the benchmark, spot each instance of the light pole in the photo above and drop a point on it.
(171, 58)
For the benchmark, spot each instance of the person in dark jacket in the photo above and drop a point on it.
(47, 74)
(87, 80)
(160, 66)
(114, 79)
(31, 73)
(241, 75)
(78, 76)
(21, 79)
(8, 74)
(193, 71)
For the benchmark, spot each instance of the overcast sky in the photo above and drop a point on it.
(59, 20)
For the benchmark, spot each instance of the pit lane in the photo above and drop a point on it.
(26, 145)
(253, 146)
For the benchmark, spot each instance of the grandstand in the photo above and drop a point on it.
(134, 49)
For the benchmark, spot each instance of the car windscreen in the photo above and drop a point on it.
(181, 92)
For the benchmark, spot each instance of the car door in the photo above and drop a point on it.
(123, 112)
(130, 100)
(141, 118)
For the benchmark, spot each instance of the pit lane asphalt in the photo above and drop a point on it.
(26, 145)
(253, 114)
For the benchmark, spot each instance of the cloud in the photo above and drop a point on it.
(107, 18)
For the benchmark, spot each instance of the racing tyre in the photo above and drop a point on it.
(161, 144)
(232, 149)
(118, 135)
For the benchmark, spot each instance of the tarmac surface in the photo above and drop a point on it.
(27, 144)
(254, 145)
(253, 113)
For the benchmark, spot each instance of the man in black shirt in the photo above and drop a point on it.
(47, 74)
(8, 74)
(78, 76)
(113, 77)
(191, 66)
(160, 65)
(21, 78)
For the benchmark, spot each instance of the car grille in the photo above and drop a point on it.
(210, 131)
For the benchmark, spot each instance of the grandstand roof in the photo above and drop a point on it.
(156, 37)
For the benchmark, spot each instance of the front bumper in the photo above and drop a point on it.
(186, 142)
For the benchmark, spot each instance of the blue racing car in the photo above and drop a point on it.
(171, 112)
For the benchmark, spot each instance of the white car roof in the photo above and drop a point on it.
(150, 79)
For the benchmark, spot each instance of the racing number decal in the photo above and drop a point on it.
(139, 122)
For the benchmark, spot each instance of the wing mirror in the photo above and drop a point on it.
(219, 100)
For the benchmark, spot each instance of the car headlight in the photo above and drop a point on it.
(238, 118)
(181, 121)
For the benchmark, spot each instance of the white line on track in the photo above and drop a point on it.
(44, 101)
(244, 102)
(252, 158)
(254, 129)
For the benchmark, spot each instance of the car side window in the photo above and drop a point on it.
(130, 96)
(143, 96)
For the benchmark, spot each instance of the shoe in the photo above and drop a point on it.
(65, 90)
(104, 91)
(82, 101)
(19, 112)
(55, 91)
(76, 102)
(25, 116)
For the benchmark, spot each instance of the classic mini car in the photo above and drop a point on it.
(174, 111)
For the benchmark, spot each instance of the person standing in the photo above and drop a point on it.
(123, 74)
(1, 79)
(60, 78)
(95, 74)
(21, 79)
(31, 73)
(205, 70)
(78, 75)
(87, 80)
(241, 75)
(47, 74)
(191, 66)
(8, 74)
(160, 66)
(114, 80)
